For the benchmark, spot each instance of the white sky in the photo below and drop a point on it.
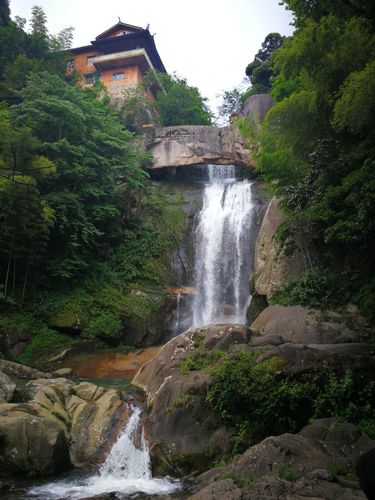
(209, 42)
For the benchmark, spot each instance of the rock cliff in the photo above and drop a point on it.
(277, 259)
(196, 144)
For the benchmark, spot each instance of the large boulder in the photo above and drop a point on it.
(81, 421)
(31, 444)
(182, 430)
(96, 417)
(318, 462)
(144, 330)
(14, 337)
(257, 106)
(276, 259)
(279, 324)
(18, 371)
(7, 388)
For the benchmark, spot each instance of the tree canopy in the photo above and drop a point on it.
(66, 164)
(317, 143)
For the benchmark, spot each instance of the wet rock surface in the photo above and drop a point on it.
(49, 424)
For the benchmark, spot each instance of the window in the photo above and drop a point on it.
(118, 76)
(70, 65)
(90, 79)
(90, 60)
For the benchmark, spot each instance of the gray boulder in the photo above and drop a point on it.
(31, 444)
(279, 324)
(318, 462)
(7, 388)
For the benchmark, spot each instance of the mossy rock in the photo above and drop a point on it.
(67, 322)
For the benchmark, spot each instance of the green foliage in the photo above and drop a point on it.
(260, 71)
(230, 103)
(200, 360)
(355, 108)
(4, 13)
(285, 472)
(43, 345)
(177, 103)
(316, 146)
(260, 398)
(316, 288)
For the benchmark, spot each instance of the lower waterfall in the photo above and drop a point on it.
(126, 470)
(222, 249)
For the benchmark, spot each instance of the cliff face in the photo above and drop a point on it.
(276, 261)
(196, 144)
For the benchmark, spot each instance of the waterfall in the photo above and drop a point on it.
(126, 470)
(222, 249)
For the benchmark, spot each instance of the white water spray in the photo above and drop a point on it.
(222, 255)
(127, 470)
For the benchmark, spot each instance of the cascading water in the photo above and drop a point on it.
(222, 249)
(127, 470)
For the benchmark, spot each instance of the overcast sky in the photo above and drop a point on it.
(209, 42)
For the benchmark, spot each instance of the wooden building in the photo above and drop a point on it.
(119, 57)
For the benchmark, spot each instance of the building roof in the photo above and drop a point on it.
(139, 39)
(116, 27)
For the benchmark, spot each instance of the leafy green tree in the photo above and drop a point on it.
(316, 10)
(177, 103)
(317, 143)
(84, 137)
(260, 70)
(230, 102)
(39, 22)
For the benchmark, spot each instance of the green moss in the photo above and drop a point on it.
(199, 339)
(44, 345)
(282, 233)
(338, 470)
(201, 360)
(184, 401)
(285, 473)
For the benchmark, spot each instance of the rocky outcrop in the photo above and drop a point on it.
(180, 426)
(277, 259)
(196, 144)
(279, 324)
(184, 431)
(144, 330)
(318, 462)
(48, 424)
(257, 105)
(30, 443)
(144, 317)
(14, 338)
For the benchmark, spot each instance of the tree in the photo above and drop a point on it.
(84, 137)
(177, 103)
(317, 142)
(39, 22)
(307, 10)
(231, 102)
(4, 13)
(260, 70)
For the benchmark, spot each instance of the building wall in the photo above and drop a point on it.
(80, 62)
(132, 75)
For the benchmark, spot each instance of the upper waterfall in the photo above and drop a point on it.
(222, 249)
